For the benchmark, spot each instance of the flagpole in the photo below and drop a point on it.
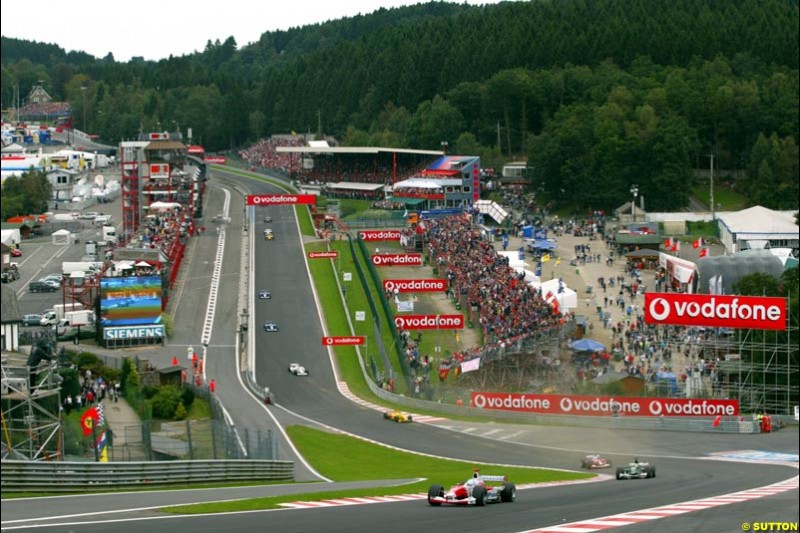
(94, 441)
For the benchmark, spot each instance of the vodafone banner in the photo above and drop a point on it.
(415, 285)
(281, 199)
(397, 260)
(342, 341)
(715, 310)
(429, 321)
(216, 159)
(560, 404)
(379, 235)
(323, 255)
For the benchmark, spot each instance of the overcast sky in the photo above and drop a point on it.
(156, 29)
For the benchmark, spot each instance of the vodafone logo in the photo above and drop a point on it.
(429, 321)
(281, 199)
(414, 285)
(750, 312)
(561, 404)
(379, 235)
(659, 309)
(397, 260)
(342, 341)
(323, 255)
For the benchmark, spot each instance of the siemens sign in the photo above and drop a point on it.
(134, 332)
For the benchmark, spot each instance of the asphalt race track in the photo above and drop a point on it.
(684, 470)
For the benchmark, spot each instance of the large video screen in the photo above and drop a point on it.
(130, 300)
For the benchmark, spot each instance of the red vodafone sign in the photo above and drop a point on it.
(429, 321)
(715, 310)
(397, 260)
(342, 341)
(562, 404)
(379, 235)
(323, 255)
(415, 285)
(281, 199)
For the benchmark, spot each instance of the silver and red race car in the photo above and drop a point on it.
(474, 491)
(593, 461)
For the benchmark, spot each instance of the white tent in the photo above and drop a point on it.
(513, 259)
(13, 149)
(567, 298)
(62, 237)
(530, 276)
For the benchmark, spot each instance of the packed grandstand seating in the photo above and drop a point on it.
(263, 154)
(508, 308)
(48, 110)
(332, 168)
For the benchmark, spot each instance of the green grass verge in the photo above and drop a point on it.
(367, 461)
(726, 199)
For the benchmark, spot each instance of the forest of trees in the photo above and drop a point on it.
(596, 95)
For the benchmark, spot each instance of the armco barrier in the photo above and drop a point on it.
(64, 476)
(727, 425)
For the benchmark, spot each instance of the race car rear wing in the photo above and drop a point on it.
(494, 478)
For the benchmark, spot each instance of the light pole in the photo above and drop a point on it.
(635, 193)
(444, 147)
(711, 192)
(85, 128)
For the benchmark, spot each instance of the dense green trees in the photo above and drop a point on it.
(596, 95)
(26, 194)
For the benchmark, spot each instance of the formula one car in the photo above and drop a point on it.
(636, 470)
(593, 461)
(264, 295)
(474, 491)
(297, 369)
(397, 416)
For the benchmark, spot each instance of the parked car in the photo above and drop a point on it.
(50, 318)
(31, 320)
(40, 286)
(16, 252)
(51, 282)
(90, 215)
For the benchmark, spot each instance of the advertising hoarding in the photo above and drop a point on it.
(397, 260)
(429, 321)
(715, 311)
(379, 235)
(565, 404)
(281, 199)
(414, 285)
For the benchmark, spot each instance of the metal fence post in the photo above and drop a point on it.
(189, 439)
(213, 439)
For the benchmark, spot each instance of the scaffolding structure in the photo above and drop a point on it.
(31, 402)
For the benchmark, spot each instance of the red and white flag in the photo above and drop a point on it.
(669, 243)
(704, 252)
(676, 246)
(698, 243)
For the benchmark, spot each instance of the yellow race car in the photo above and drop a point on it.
(397, 416)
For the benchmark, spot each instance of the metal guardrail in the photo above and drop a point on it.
(726, 425)
(26, 476)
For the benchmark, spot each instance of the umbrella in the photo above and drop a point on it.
(543, 245)
(143, 264)
(587, 345)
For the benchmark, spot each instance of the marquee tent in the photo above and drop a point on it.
(717, 275)
(62, 237)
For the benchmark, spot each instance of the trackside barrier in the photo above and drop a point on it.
(705, 425)
(63, 476)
